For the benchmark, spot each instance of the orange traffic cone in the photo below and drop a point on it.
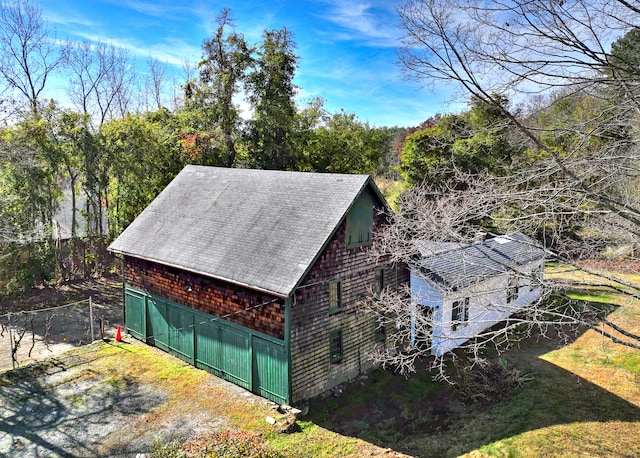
(118, 334)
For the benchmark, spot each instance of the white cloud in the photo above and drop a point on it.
(374, 24)
(161, 9)
(171, 51)
(66, 19)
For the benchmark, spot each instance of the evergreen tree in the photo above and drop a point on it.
(271, 93)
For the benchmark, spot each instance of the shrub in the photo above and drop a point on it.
(488, 382)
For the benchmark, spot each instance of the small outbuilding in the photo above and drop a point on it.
(465, 289)
(257, 275)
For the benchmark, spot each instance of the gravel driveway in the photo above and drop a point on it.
(105, 399)
(75, 406)
(66, 411)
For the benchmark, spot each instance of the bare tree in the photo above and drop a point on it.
(120, 85)
(431, 221)
(155, 82)
(86, 75)
(102, 80)
(29, 53)
(560, 49)
(586, 167)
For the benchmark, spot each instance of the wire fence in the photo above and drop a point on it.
(29, 336)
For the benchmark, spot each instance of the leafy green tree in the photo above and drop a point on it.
(493, 145)
(29, 197)
(144, 158)
(199, 142)
(65, 138)
(28, 190)
(428, 154)
(625, 59)
(476, 141)
(343, 144)
(308, 120)
(226, 58)
(271, 94)
(96, 168)
(578, 108)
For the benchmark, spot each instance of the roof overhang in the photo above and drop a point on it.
(204, 274)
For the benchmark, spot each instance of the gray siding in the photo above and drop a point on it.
(311, 321)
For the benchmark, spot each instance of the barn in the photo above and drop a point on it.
(257, 276)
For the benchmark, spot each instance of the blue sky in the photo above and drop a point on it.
(347, 49)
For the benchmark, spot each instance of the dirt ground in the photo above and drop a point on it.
(65, 413)
(72, 408)
(57, 403)
(45, 325)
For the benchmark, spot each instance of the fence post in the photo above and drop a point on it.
(13, 361)
(91, 318)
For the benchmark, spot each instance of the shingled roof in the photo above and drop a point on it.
(461, 265)
(258, 228)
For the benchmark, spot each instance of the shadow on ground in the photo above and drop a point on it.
(64, 409)
(420, 417)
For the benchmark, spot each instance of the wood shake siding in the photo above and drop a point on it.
(208, 295)
(311, 319)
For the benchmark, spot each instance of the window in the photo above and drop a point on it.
(335, 296)
(380, 331)
(335, 345)
(537, 277)
(379, 285)
(423, 327)
(359, 222)
(459, 313)
(512, 290)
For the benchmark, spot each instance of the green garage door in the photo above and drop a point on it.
(240, 355)
(208, 346)
(135, 313)
(181, 332)
(270, 377)
(157, 323)
(223, 350)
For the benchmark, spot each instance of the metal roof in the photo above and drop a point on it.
(517, 247)
(259, 228)
(465, 265)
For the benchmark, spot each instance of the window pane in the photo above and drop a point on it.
(335, 295)
(455, 315)
(512, 290)
(380, 332)
(379, 280)
(465, 317)
(335, 345)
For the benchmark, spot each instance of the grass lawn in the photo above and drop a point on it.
(583, 400)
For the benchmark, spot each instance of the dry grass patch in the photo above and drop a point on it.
(210, 404)
(592, 403)
(593, 439)
(189, 389)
